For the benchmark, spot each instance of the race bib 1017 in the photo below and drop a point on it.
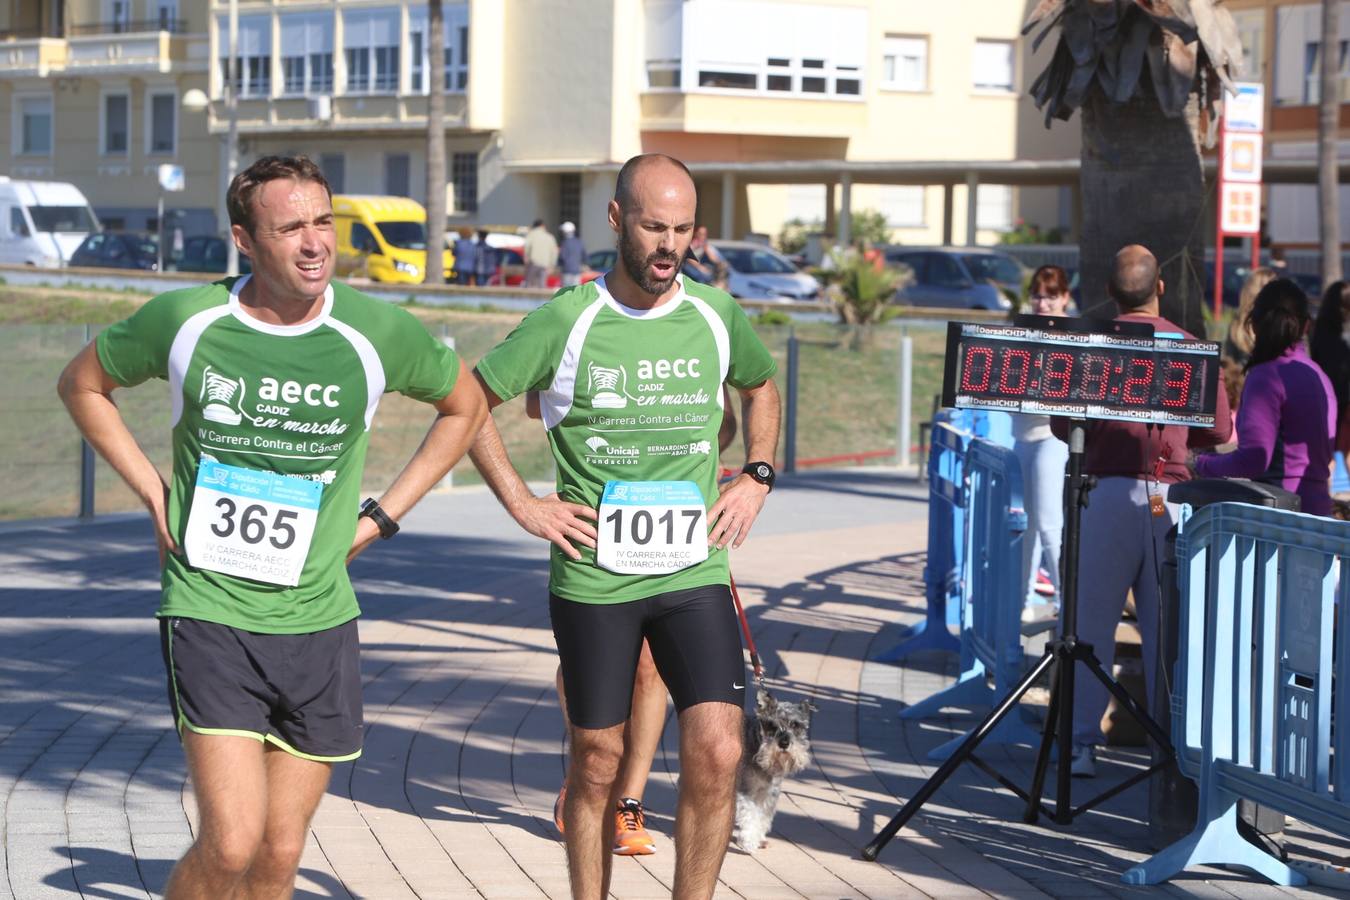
(252, 524)
(651, 527)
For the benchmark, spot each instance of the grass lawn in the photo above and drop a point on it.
(848, 384)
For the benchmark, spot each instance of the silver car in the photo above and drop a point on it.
(762, 273)
(958, 277)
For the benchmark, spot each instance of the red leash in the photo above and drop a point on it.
(745, 630)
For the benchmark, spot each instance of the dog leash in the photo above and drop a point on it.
(749, 639)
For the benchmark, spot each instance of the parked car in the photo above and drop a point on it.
(511, 269)
(762, 273)
(602, 261)
(208, 253)
(958, 277)
(117, 250)
(42, 222)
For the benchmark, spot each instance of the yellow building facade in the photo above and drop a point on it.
(765, 99)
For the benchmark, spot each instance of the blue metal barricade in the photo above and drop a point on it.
(942, 571)
(1252, 709)
(991, 593)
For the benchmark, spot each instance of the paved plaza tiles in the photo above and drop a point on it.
(463, 754)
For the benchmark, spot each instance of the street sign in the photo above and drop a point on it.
(1242, 156)
(1246, 110)
(171, 177)
(1240, 209)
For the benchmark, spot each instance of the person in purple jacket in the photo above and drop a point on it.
(1286, 423)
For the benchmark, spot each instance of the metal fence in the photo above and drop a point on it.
(846, 392)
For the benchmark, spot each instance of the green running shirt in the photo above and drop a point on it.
(295, 400)
(630, 395)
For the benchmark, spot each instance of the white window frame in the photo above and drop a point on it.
(266, 51)
(791, 36)
(893, 46)
(119, 23)
(16, 125)
(356, 19)
(920, 221)
(151, 92)
(311, 85)
(997, 196)
(1011, 86)
(454, 16)
(158, 8)
(103, 97)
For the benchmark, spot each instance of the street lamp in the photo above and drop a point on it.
(196, 100)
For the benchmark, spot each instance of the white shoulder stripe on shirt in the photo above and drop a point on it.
(181, 350)
(370, 362)
(556, 402)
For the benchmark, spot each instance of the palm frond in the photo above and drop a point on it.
(1188, 47)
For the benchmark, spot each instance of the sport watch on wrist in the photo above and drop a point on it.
(761, 472)
(370, 509)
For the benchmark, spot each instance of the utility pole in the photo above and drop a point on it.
(232, 139)
(1328, 206)
(435, 273)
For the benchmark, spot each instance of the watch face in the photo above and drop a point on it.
(763, 471)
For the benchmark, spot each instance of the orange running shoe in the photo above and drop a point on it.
(630, 832)
(558, 808)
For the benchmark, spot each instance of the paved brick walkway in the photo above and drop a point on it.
(463, 754)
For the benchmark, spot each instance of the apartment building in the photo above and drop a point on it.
(90, 92)
(767, 100)
(1283, 43)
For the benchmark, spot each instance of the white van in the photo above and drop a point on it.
(42, 222)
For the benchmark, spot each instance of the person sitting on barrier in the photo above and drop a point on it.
(1286, 422)
(1043, 457)
(1126, 522)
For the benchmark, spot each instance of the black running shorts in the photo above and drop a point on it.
(695, 640)
(299, 692)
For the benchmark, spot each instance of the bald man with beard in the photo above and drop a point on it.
(630, 371)
(1125, 525)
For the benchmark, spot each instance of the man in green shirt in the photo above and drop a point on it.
(630, 369)
(274, 379)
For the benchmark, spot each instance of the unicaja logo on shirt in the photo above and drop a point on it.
(222, 396)
(607, 386)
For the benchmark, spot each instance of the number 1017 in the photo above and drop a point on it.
(642, 525)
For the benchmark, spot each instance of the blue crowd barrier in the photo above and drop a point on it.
(991, 592)
(1252, 710)
(942, 572)
(1340, 476)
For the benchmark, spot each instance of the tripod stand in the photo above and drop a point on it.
(1060, 656)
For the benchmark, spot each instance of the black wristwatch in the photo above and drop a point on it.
(371, 509)
(761, 472)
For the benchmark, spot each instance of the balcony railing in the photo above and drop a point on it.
(23, 34)
(173, 26)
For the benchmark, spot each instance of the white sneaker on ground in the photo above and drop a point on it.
(1084, 763)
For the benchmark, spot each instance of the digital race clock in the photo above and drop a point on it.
(1081, 368)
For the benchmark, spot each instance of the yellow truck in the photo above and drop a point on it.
(383, 239)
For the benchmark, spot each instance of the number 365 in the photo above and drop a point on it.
(252, 524)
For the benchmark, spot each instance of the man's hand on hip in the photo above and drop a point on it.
(735, 511)
(555, 519)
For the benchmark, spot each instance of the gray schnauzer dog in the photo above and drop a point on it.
(777, 744)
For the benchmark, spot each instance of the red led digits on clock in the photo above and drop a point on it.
(1179, 381)
(975, 374)
(1022, 359)
(1096, 372)
(1057, 367)
(1143, 378)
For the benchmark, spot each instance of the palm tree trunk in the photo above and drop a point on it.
(1142, 183)
(1328, 206)
(435, 273)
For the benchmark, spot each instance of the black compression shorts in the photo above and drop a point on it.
(298, 692)
(695, 640)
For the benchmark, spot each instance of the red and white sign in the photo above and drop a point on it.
(1242, 157)
(1240, 209)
